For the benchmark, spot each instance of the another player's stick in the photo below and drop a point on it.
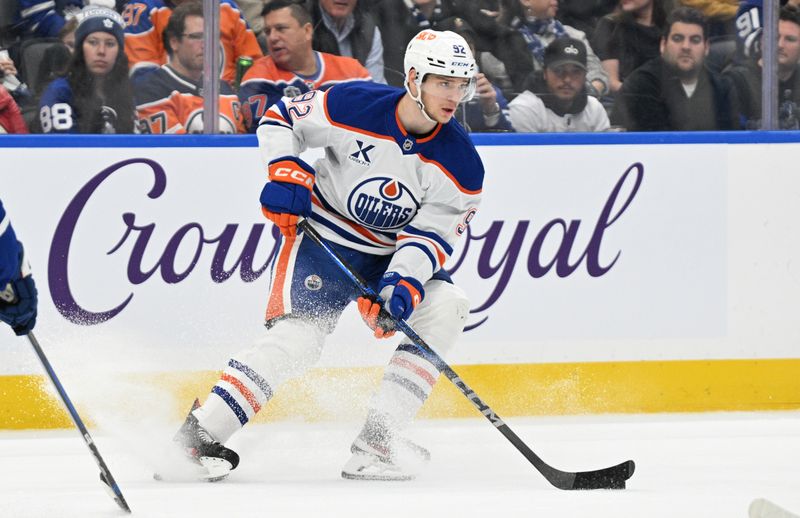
(105, 474)
(613, 477)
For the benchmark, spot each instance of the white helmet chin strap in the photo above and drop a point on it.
(418, 99)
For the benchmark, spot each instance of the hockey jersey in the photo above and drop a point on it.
(145, 21)
(379, 189)
(57, 114)
(167, 102)
(9, 250)
(264, 84)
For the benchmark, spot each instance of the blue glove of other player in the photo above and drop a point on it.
(401, 294)
(18, 302)
(288, 193)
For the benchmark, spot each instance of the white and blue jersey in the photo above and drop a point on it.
(9, 251)
(379, 190)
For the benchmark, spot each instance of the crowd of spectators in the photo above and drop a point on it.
(136, 66)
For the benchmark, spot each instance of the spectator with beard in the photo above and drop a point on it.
(746, 76)
(556, 100)
(675, 91)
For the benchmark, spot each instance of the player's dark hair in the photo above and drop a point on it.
(177, 22)
(790, 13)
(299, 12)
(88, 101)
(688, 15)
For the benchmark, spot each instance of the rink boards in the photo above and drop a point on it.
(607, 273)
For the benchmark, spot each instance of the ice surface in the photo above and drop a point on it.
(705, 465)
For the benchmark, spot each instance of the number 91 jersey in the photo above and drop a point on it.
(379, 189)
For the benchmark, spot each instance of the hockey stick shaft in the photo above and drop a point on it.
(105, 473)
(608, 478)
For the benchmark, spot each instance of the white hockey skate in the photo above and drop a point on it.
(378, 455)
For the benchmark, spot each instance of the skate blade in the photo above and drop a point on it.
(381, 477)
(205, 469)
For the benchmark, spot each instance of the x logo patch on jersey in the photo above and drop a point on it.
(362, 152)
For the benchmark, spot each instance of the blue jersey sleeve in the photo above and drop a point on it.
(43, 18)
(9, 250)
(56, 113)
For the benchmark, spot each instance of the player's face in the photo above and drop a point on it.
(543, 9)
(189, 49)
(100, 51)
(685, 48)
(565, 81)
(788, 44)
(442, 94)
(338, 8)
(287, 40)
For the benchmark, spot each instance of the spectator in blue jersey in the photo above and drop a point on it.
(347, 28)
(18, 296)
(94, 96)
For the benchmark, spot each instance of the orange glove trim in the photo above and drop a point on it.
(290, 172)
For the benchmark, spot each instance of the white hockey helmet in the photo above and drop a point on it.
(444, 53)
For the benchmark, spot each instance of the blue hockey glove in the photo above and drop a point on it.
(402, 294)
(18, 303)
(288, 193)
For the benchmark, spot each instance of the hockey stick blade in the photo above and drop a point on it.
(613, 477)
(608, 478)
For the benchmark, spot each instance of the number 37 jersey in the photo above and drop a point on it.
(379, 189)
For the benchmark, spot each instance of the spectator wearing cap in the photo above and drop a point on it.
(536, 21)
(676, 91)
(556, 99)
(94, 95)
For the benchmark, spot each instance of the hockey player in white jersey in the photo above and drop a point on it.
(399, 183)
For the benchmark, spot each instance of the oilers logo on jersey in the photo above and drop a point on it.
(382, 203)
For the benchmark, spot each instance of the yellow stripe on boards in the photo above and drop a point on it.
(511, 390)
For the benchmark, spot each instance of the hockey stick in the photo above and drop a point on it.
(105, 474)
(613, 477)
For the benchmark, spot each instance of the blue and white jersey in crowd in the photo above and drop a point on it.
(379, 189)
(43, 18)
(9, 250)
